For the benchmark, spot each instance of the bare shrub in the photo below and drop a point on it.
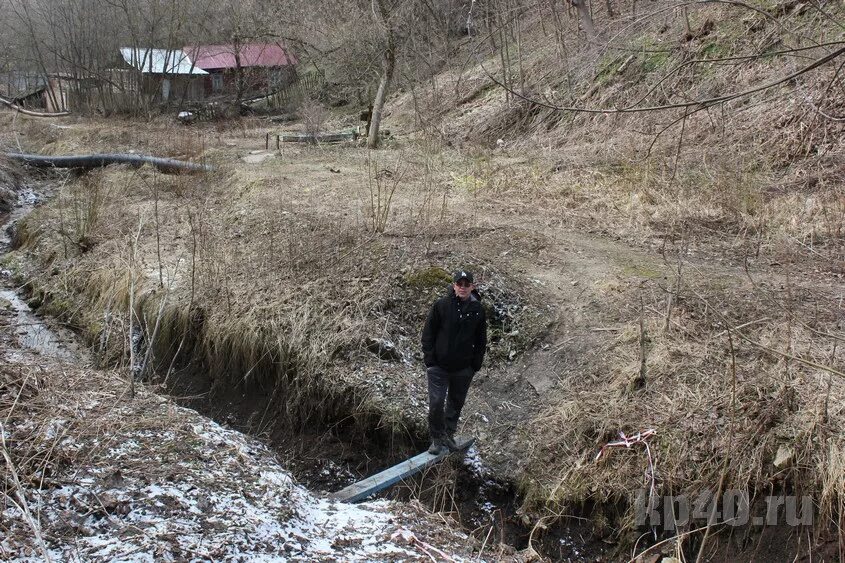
(314, 116)
(382, 182)
(428, 208)
(87, 202)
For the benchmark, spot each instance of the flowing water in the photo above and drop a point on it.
(32, 331)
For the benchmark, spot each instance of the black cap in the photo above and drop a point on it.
(462, 275)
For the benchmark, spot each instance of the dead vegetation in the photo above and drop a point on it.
(725, 337)
(769, 164)
(730, 380)
(254, 281)
(249, 277)
(8, 182)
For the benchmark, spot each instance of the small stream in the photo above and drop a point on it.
(32, 331)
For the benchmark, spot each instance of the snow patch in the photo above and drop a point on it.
(192, 491)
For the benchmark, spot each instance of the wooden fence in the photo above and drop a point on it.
(305, 86)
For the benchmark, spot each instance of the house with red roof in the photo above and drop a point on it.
(244, 70)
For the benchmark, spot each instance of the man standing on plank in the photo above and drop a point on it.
(453, 342)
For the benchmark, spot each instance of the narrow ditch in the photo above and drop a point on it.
(334, 455)
(331, 455)
(32, 331)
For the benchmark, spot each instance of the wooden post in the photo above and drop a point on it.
(267, 142)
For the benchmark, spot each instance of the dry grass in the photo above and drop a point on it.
(253, 279)
(9, 178)
(39, 411)
(249, 279)
(771, 164)
(273, 276)
(282, 298)
(705, 413)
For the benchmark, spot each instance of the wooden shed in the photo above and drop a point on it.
(161, 74)
(245, 69)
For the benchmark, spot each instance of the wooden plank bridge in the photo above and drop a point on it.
(380, 481)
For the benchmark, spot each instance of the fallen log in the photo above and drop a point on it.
(166, 165)
(24, 111)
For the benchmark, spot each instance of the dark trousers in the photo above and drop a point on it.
(447, 388)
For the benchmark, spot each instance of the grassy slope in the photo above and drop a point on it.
(579, 234)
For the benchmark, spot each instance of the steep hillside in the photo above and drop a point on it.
(706, 120)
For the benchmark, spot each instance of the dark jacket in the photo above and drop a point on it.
(455, 334)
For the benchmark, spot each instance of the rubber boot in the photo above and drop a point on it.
(437, 447)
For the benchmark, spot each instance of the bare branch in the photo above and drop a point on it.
(725, 59)
(24, 111)
(706, 102)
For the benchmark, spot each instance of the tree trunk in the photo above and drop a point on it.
(585, 17)
(25, 111)
(388, 66)
(239, 73)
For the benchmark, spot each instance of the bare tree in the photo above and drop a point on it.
(79, 40)
(383, 10)
(585, 17)
(405, 40)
